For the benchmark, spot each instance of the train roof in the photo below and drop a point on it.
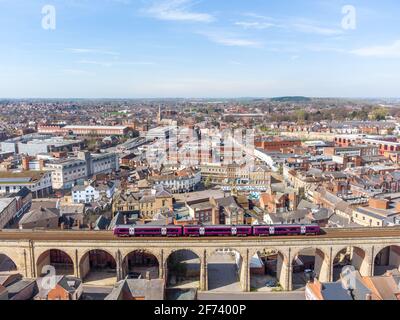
(147, 226)
(217, 226)
(286, 225)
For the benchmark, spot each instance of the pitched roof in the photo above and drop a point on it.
(40, 214)
(149, 289)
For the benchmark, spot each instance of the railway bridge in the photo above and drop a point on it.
(30, 251)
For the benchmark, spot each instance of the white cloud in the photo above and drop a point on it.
(113, 63)
(255, 25)
(300, 25)
(177, 10)
(389, 51)
(97, 63)
(308, 28)
(91, 51)
(231, 40)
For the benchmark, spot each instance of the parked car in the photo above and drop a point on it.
(271, 283)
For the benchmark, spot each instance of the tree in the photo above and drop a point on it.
(379, 114)
(301, 115)
(207, 183)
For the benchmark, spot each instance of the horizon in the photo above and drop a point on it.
(201, 98)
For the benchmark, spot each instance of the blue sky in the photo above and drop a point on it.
(199, 48)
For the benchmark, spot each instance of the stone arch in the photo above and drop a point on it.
(7, 264)
(98, 266)
(141, 261)
(227, 269)
(356, 256)
(268, 268)
(183, 267)
(60, 259)
(308, 263)
(386, 258)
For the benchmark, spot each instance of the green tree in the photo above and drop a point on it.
(379, 114)
(207, 183)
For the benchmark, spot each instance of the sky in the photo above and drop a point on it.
(199, 48)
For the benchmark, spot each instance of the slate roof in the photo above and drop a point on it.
(118, 219)
(101, 223)
(149, 289)
(40, 214)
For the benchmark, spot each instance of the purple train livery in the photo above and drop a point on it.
(216, 231)
(210, 231)
(285, 230)
(148, 231)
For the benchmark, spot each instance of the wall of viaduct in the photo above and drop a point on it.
(30, 256)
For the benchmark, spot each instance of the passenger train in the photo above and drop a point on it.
(216, 231)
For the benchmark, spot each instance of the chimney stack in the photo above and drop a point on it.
(25, 163)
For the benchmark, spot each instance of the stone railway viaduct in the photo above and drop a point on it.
(30, 251)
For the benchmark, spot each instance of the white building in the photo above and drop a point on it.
(183, 181)
(91, 192)
(68, 172)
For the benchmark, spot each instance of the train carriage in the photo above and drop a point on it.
(285, 230)
(148, 231)
(217, 231)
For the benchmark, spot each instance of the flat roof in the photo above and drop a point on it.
(95, 127)
(21, 176)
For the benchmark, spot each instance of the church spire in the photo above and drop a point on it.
(159, 114)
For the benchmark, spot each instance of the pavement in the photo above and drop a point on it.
(101, 279)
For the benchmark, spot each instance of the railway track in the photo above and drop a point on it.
(41, 235)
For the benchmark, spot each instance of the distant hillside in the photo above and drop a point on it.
(291, 99)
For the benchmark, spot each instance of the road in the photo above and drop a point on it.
(293, 295)
(222, 274)
(108, 235)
